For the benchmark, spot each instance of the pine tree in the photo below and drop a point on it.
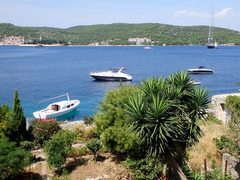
(18, 128)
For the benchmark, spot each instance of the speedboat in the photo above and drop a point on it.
(113, 74)
(196, 82)
(200, 70)
(57, 109)
(148, 47)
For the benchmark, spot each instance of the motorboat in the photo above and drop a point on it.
(57, 109)
(113, 74)
(200, 70)
(196, 82)
(147, 47)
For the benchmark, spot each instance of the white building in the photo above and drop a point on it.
(139, 41)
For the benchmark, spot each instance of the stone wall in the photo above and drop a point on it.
(233, 165)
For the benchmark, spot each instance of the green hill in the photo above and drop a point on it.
(118, 34)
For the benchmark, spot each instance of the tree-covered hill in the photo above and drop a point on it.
(118, 34)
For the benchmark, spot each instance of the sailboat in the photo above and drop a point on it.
(57, 109)
(211, 43)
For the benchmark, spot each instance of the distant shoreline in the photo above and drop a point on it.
(56, 45)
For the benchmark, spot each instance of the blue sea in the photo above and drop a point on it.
(41, 73)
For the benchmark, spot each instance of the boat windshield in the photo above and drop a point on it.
(117, 69)
(201, 67)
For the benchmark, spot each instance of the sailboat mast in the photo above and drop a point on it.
(210, 33)
(211, 43)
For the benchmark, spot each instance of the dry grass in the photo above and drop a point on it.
(206, 148)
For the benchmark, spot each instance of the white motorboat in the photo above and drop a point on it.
(196, 82)
(147, 47)
(57, 109)
(200, 70)
(113, 74)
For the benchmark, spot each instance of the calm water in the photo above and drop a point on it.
(40, 73)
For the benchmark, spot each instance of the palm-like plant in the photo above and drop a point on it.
(165, 115)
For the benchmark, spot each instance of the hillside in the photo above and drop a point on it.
(118, 34)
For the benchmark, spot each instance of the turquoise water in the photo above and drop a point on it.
(41, 73)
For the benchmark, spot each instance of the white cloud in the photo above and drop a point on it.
(189, 13)
(224, 12)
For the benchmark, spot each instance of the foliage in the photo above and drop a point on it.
(88, 120)
(12, 159)
(118, 34)
(17, 130)
(217, 174)
(43, 129)
(84, 133)
(5, 115)
(233, 105)
(112, 121)
(166, 114)
(27, 145)
(227, 145)
(57, 149)
(147, 168)
(77, 152)
(94, 146)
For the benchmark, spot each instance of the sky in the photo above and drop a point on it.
(68, 13)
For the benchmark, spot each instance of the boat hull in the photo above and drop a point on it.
(211, 47)
(110, 78)
(200, 72)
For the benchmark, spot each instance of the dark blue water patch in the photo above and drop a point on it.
(41, 73)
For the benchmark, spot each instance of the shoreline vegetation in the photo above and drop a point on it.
(116, 34)
(56, 45)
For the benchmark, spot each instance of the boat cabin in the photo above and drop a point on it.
(55, 107)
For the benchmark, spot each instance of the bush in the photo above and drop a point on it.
(57, 149)
(84, 133)
(43, 129)
(12, 159)
(112, 122)
(27, 145)
(88, 120)
(94, 146)
(227, 145)
(217, 174)
(147, 168)
(77, 152)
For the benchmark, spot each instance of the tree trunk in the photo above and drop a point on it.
(174, 171)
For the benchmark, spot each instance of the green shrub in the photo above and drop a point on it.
(112, 122)
(57, 149)
(43, 129)
(77, 152)
(147, 168)
(90, 133)
(227, 145)
(217, 174)
(88, 120)
(94, 145)
(12, 159)
(27, 145)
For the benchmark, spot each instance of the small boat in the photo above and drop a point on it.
(148, 47)
(196, 82)
(57, 109)
(200, 70)
(113, 74)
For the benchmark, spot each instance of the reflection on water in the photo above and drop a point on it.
(108, 85)
(69, 116)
